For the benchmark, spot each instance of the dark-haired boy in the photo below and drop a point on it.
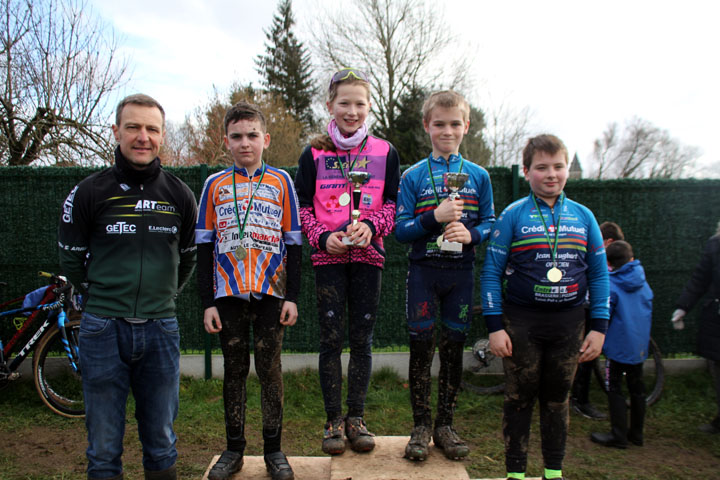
(249, 252)
(626, 345)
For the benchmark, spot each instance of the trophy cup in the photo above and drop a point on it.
(454, 181)
(358, 179)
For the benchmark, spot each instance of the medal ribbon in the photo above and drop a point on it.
(553, 248)
(350, 165)
(241, 230)
(432, 180)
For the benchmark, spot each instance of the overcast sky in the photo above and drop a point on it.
(577, 65)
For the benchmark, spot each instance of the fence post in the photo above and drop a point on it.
(206, 336)
(515, 182)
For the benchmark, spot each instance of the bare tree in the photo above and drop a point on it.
(200, 138)
(507, 129)
(401, 44)
(641, 150)
(58, 64)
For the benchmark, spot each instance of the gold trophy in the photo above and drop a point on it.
(454, 181)
(358, 179)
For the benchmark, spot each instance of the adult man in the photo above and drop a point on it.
(136, 223)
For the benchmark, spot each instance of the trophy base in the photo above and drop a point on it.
(451, 246)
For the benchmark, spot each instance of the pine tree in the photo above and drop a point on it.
(285, 68)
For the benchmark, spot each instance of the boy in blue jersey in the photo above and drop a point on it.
(249, 252)
(626, 345)
(440, 282)
(544, 254)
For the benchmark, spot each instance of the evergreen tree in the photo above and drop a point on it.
(285, 68)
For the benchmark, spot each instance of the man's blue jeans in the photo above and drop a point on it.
(117, 356)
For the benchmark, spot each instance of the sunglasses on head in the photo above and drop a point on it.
(347, 73)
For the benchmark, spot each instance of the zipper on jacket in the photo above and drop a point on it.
(142, 249)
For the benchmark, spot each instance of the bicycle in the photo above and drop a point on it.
(484, 373)
(56, 363)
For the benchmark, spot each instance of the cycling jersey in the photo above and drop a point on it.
(272, 223)
(138, 226)
(519, 257)
(416, 203)
(320, 184)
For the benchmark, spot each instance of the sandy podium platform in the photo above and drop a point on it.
(385, 462)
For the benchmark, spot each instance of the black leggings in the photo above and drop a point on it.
(545, 346)
(357, 286)
(236, 316)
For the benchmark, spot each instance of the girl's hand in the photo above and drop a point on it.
(360, 234)
(457, 232)
(334, 244)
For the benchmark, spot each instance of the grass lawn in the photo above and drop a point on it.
(37, 444)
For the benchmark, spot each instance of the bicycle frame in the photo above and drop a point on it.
(56, 315)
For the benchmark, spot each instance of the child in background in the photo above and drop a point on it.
(249, 254)
(347, 256)
(545, 252)
(440, 283)
(626, 345)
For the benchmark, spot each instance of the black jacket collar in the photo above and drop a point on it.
(126, 172)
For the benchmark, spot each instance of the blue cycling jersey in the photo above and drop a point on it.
(414, 219)
(519, 257)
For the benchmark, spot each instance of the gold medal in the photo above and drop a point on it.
(554, 275)
(240, 253)
(344, 199)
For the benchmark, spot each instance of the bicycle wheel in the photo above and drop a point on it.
(56, 379)
(654, 376)
(483, 375)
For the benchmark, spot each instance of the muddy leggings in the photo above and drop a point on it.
(440, 297)
(545, 348)
(237, 316)
(356, 285)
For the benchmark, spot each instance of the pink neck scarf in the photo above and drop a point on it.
(346, 143)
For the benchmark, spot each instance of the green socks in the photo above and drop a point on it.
(550, 474)
(519, 476)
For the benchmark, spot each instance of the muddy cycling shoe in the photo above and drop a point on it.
(417, 447)
(356, 431)
(228, 463)
(278, 467)
(447, 440)
(334, 437)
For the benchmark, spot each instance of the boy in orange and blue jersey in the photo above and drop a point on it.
(249, 251)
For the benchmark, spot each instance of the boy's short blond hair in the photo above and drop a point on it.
(446, 99)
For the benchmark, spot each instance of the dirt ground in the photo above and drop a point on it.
(51, 452)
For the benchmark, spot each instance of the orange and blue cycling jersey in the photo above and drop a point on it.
(272, 223)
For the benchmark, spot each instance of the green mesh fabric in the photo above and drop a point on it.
(666, 221)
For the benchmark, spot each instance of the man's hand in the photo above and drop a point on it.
(677, 319)
(334, 244)
(500, 344)
(457, 232)
(211, 319)
(289, 314)
(592, 346)
(449, 211)
(360, 234)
